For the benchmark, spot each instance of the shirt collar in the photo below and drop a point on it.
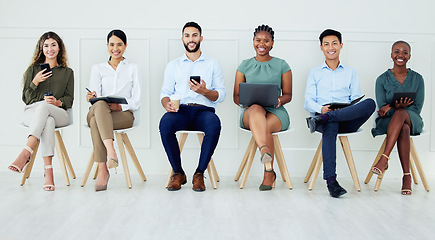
(324, 65)
(186, 59)
(124, 61)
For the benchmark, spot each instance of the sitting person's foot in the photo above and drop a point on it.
(313, 123)
(48, 178)
(198, 182)
(406, 184)
(102, 178)
(381, 166)
(22, 160)
(177, 180)
(268, 181)
(335, 189)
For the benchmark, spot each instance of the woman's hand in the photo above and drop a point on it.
(403, 103)
(41, 77)
(90, 95)
(383, 110)
(115, 107)
(52, 100)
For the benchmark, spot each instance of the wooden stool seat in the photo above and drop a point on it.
(245, 165)
(211, 168)
(318, 160)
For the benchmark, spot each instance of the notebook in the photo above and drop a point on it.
(343, 105)
(398, 95)
(263, 94)
(109, 99)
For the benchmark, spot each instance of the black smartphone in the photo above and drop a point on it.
(45, 66)
(196, 79)
(48, 94)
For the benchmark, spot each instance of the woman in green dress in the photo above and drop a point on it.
(402, 120)
(262, 122)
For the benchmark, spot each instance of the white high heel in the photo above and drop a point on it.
(48, 187)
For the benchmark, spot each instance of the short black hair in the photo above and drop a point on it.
(265, 28)
(401, 41)
(330, 32)
(192, 24)
(118, 33)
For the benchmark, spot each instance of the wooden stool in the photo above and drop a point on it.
(123, 143)
(318, 160)
(211, 168)
(62, 155)
(414, 159)
(248, 158)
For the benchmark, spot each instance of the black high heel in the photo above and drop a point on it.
(268, 187)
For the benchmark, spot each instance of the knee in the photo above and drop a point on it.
(405, 131)
(371, 104)
(166, 123)
(92, 122)
(213, 126)
(401, 113)
(50, 123)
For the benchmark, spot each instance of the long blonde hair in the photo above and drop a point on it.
(39, 57)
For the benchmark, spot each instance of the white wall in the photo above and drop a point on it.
(154, 31)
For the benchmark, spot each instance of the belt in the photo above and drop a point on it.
(194, 105)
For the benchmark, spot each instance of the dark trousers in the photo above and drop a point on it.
(195, 118)
(344, 120)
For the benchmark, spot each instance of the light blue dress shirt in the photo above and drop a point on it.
(177, 77)
(325, 86)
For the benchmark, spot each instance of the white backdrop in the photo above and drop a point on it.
(154, 31)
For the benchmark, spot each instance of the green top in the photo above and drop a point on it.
(61, 84)
(386, 86)
(266, 72)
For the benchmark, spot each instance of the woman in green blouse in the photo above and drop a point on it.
(47, 95)
(262, 122)
(402, 120)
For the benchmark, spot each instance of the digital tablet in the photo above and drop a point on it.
(398, 95)
(334, 106)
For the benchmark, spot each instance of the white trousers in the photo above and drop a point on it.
(42, 118)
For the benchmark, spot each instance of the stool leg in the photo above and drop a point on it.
(350, 162)
(168, 179)
(248, 166)
(65, 156)
(88, 169)
(419, 166)
(279, 157)
(123, 159)
(213, 167)
(319, 162)
(245, 158)
(133, 156)
(61, 157)
(412, 168)
(381, 150)
(314, 162)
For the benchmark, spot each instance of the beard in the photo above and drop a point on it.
(198, 45)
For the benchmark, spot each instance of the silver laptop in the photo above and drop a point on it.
(263, 94)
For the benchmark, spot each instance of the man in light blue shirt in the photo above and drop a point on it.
(333, 82)
(198, 100)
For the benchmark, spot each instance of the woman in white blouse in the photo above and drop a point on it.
(116, 77)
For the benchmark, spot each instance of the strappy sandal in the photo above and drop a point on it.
(406, 191)
(48, 187)
(377, 170)
(266, 159)
(18, 169)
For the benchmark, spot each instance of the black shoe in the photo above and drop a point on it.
(335, 189)
(313, 122)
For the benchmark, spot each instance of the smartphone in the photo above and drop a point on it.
(196, 78)
(46, 67)
(48, 94)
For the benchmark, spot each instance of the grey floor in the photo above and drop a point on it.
(149, 211)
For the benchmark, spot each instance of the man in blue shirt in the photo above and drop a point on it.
(328, 83)
(197, 108)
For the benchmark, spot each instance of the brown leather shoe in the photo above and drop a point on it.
(198, 182)
(177, 180)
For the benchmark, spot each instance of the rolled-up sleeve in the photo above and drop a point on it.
(218, 82)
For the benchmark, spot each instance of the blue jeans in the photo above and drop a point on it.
(195, 118)
(345, 120)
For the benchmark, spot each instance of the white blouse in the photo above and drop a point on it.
(125, 82)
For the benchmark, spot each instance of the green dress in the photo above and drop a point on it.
(386, 86)
(266, 72)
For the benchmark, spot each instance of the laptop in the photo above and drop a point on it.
(263, 94)
(398, 95)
